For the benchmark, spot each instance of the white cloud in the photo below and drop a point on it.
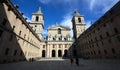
(45, 32)
(88, 24)
(28, 19)
(103, 5)
(58, 1)
(67, 22)
(92, 4)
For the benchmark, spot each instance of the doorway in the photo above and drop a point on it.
(53, 53)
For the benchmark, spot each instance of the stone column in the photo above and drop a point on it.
(50, 46)
(63, 49)
(56, 49)
(47, 50)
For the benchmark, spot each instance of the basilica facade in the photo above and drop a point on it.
(58, 43)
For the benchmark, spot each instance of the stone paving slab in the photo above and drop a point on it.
(63, 65)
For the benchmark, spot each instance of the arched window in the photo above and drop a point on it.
(79, 19)
(37, 18)
(59, 31)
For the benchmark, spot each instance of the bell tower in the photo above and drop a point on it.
(78, 24)
(37, 23)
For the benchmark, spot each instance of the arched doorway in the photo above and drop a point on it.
(53, 53)
(43, 53)
(59, 53)
(65, 53)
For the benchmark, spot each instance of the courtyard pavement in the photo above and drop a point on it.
(91, 64)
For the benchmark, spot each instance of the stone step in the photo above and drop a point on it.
(51, 59)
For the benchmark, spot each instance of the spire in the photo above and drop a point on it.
(76, 13)
(39, 11)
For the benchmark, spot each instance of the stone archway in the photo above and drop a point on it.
(53, 53)
(65, 53)
(43, 53)
(59, 53)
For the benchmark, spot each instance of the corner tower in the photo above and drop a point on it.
(78, 24)
(37, 23)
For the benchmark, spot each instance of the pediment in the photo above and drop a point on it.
(58, 26)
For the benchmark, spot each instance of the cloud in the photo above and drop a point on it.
(88, 24)
(57, 1)
(28, 19)
(45, 33)
(71, 4)
(67, 22)
(102, 5)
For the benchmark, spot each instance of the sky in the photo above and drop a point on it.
(61, 11)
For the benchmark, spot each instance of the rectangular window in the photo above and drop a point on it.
(105, 51)
(116, 30)
(20, 32)
(35, 25)
(107, 34)
(11, 36)
(65, 45)
(101, 37)
(6, 51)
(99, 52)
(15, 52)
(59, 45)
(43, 46)
(1, 32)
(21, 53)
(4, 21)
(59, 31)
(24, 36)
(13, 28)
(113, 51)
(97, 45)
(102, 42)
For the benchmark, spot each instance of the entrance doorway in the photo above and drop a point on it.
(65, 53)
(59, 53)
(53, 53)
(43, 53)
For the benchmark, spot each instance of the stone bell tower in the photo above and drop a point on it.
(37, 23)
(78, 24)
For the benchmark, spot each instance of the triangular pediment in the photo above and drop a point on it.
(58, 26)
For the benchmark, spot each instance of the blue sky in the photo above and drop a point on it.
(61, 11)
